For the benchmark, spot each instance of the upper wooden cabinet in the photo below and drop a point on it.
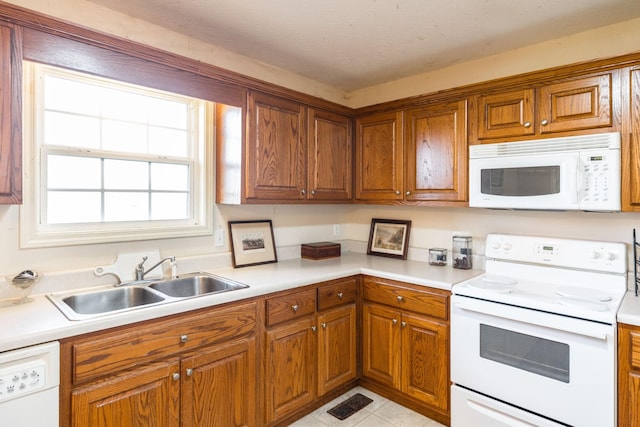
(10, 115)
(560, 107)
(631, 152)
(416, 155)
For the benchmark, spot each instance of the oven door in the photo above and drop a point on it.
(559, 367)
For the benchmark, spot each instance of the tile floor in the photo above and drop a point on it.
(379, 413)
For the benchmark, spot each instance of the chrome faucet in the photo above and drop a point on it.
(140, 273)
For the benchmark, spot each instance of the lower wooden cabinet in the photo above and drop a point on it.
(628, 375)
(336, 348)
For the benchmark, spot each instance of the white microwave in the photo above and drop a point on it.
(569, 173)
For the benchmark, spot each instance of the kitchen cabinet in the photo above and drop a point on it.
(560, 107)
(164, 368)
(630, 154)
(406, 344)
(310, 346)
(10, 114)
(295, 152)
(628, 375)
(414, 155)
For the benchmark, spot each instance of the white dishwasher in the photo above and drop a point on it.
(29, 383)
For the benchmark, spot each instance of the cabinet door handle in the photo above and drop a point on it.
(314, 328)
(313, 192)
(527, 124)
(408, 193)
(176, 376)
(394, 321)
(184, 338)
(400, 298)
(398, 192)
(324, 325)
(340, 295)
(189, 372)
(303, 192)
(544, 122)
(403, 324)
(295, 308)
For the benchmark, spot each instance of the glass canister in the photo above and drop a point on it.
(438, 256)
(462, 252)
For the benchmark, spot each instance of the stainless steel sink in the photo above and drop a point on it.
(195, 285)
(80, 305)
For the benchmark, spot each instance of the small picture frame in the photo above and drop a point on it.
(389, 238)
(252, 243)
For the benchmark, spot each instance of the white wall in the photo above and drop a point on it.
(297, 224)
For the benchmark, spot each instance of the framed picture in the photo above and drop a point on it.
(389, 237)
(252, 243)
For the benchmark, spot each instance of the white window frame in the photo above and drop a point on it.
(33, 233)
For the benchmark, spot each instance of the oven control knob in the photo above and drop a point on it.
(611, 256)
(595, 255)
(507, 246)
(495, 245)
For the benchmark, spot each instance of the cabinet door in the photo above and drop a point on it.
(576, 104)
(631, 154)
(336, 348)
(330, 154)
(425, 355)
(507, 114)
(381, 344)
(148, 396)
(219, 386)
(10, 115)
(628, 375)
(276, 156)
(379, 157)
(436, 153)
(290, 368)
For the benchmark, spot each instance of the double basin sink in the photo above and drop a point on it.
(88, 304)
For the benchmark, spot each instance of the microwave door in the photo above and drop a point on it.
(525, 182)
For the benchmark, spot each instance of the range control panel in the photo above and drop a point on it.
(583, 254)
(21, 380)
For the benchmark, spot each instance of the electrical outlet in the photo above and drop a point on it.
(336, 229)
(218, 238)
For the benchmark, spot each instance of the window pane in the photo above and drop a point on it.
(71, 96)
(126, 206)
(65, 207)
(127, 106)
(67, 172)
(71, 130)
(169, 177)
(124, 137)
(168, 113)
(168, 142)
(126, 175)
(169, 206)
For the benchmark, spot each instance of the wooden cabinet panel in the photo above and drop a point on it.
(291, 306)
(149, 396)
(380, 344)
(111, 352)
(276, 156)
(631, 161)
(290, 372)
(379, 157)
(336, 348)
(583, 103)
(330, 156)
(436, 153)
(506, 114)
(219, 386)
(10, 115)
(628, 375)
(425, 366)
(339, 292)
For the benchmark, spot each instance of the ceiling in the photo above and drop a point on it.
(351, 44)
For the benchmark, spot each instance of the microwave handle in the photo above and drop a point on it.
(532, 318)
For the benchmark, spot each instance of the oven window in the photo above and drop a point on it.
(520, 182)
(532, 354)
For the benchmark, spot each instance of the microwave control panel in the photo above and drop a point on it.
(599, 180)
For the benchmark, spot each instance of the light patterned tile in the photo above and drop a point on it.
(400, 416)
(375, 421)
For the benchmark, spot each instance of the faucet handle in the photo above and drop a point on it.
(144, 258)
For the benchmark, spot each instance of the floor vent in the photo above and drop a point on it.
(350, 406)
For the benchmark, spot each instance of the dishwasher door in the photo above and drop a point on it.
(29, 386)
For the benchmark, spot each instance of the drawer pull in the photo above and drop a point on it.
(394, 321)
(340, 295)
(176, 376)
(189, 372)
(184, 338)
(400, 298)
(295, 308)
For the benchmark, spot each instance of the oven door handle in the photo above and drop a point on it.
(532, 317)
(504, 419)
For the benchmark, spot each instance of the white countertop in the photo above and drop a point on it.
(629, 311)
(40, 321)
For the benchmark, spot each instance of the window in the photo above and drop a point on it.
(112, 161)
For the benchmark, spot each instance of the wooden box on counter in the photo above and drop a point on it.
(320, 250)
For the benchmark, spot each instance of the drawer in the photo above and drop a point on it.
(337, 293)
(291, 306)
(419, 299)
(635, 348)
(110, 352)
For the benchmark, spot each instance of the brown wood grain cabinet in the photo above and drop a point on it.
(406, 344)
(628, 375)
(311, 346)
(192, 369)
(551, 109)
(10, 114)
(631, 152)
